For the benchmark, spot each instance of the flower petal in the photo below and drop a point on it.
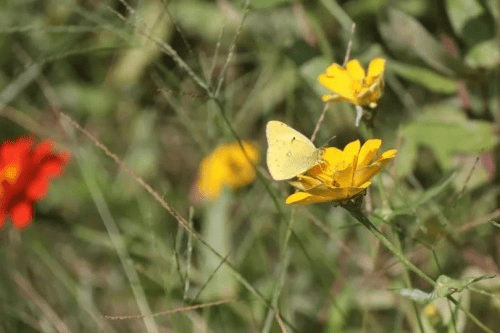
(15, 150)
(337, 193)
(241, 172)
(363, 174)
(2, 219)
(376, 68)
(330, 98)
(333, 194)
(303, 198)
(227, 166)
(211, 177)
(350, 157)
(352, 149)
(356, 72)
(343, 175)
(43, 149)
(37, 188)
(305, 182)
(51, 168)
(351, 84)
(334, 70)
(26, 170)
(21, 214)
(332, 156)
(338, 80)
(390, 154)
(367, 152)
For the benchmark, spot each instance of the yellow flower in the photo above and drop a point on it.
(352, 85)
(342, 175)
(227, 166)
(433, 315)
(431, 310)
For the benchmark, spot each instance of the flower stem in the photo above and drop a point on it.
(470, 315)
(356, 212)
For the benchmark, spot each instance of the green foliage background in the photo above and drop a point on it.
(162, 83)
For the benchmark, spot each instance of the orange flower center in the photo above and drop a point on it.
(10, 173)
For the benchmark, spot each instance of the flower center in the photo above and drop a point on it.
(10, 173)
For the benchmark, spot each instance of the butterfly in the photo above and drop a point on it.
(289, 152)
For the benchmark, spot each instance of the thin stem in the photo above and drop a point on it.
(358, 215)
(356, 212)
(318, 124)
(470, 315)
(409, 284)
(181, 220)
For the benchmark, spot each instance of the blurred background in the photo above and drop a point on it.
(163, 83)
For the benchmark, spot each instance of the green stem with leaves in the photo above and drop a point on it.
(354, 208)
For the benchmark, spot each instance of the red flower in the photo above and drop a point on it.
(25, 174)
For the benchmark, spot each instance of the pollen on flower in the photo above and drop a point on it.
(228, 166)
(26, 170)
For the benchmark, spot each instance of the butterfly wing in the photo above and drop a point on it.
(289, 152)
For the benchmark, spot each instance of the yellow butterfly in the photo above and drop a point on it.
(289, 152)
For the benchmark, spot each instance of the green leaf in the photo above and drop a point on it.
(365, 7)
(201, 18)
(462, 11)
(493, 8)
(485, 54)
(435, 190)
(368, 7)
(407, 38)
(260, 4)
(310, 71)
(470, 21)
(449, 138)
(446, 130)
(425, 77)
(131, 64)
(88, 99)
(344, 302)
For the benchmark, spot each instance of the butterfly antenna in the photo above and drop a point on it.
(326, 144)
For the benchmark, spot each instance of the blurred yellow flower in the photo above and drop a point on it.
(431, 310)
(433, 314)
(342, 175)
(227, 166)
(352, 85)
